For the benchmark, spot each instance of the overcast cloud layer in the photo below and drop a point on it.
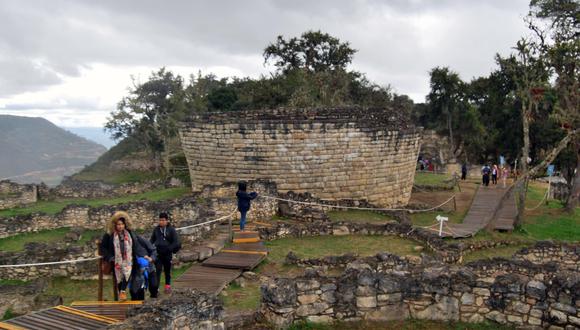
(72, 61)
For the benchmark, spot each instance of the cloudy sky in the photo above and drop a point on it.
(71, 61)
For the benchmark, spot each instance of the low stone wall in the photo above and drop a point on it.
(565, 255)
(70, 188)
(187, 310)
(13, 194)
(207, 205)
(369, 291)
(49, 252)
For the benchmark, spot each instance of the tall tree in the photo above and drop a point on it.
(530, 76)
(557, 26)
(150, 114)
(444, 98)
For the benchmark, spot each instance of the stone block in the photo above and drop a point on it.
(521, 307)
(558, 317)
(467, 299)
(515, 319)
(388, 313)
(496, 317)
(319, 319)
(366, 302)
(307, 299)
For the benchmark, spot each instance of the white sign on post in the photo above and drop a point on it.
(441, 219)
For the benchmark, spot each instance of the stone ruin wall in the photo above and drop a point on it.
(386, 287)
(211, 203)
(13, 194)
(334, 154)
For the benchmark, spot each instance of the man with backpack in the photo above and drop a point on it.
(166, 240)
(485, 172)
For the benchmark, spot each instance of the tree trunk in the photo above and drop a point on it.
(574, 195)
(524, 164)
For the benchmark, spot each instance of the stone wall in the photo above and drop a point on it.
(70, 188)
(182, 310)
(211, 203)
(13, 194)
(49, 252)
(369, 290)
(358, 154)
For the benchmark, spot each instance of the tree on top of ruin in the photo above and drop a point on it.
(314, 51)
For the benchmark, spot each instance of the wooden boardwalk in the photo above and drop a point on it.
(59, 318)
(216, 272)
(481, 213)
(506, 216)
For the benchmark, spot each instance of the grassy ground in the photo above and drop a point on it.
(411, 324)
(549, 221)
(116, 177)
(12, 282)
(426, 178)
(359, 216)
(319, 246)
(53, 207)
(236, 298)
(504, 251)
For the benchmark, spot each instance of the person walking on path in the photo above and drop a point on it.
(244, 202)
(167, 242)
(485, 172)
(504, 175)
(494, 174)
(121, 247)
(464, 171)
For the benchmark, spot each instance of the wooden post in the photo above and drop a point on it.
(454, 203)
(100, 293)
(231, 229)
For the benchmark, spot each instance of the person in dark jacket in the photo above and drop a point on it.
(244, 202)
(463, 171)
(121, 247)
(166, 240)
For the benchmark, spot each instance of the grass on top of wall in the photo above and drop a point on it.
(53, 207)
(17, 242)
(236, 298)
(109, 176)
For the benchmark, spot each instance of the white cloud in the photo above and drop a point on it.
(72, 61)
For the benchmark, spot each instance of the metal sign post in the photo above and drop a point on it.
(441, 220)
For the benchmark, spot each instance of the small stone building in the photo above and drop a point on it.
(333, 154)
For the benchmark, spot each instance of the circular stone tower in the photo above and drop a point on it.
(334, 154)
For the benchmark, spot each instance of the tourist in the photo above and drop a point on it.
(166, 240)
(485, 172)
(494, 174)
(121, 247)
(504, 175)
(244, 202)
(464, 171)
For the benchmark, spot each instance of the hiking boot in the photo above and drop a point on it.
(122, 295)
(167, 289)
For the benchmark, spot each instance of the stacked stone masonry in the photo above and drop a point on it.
(384, 288)
(211, 203)
(334, 154)
(13, 194)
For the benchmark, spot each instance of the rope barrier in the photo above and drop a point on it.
(96, 258)
(51, 263)
(359, 208)
(542, 201)
(208, 222)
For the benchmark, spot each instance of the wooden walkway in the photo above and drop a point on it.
(481, 213)
(59, 318)
(216, 272)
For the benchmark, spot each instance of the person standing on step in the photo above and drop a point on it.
(123, 248)
(463, 171)
(244, 202)
(494, 174)
(167, 242)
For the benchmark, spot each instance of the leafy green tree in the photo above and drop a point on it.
(150, 114)
(314, 51)
(445, 98)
